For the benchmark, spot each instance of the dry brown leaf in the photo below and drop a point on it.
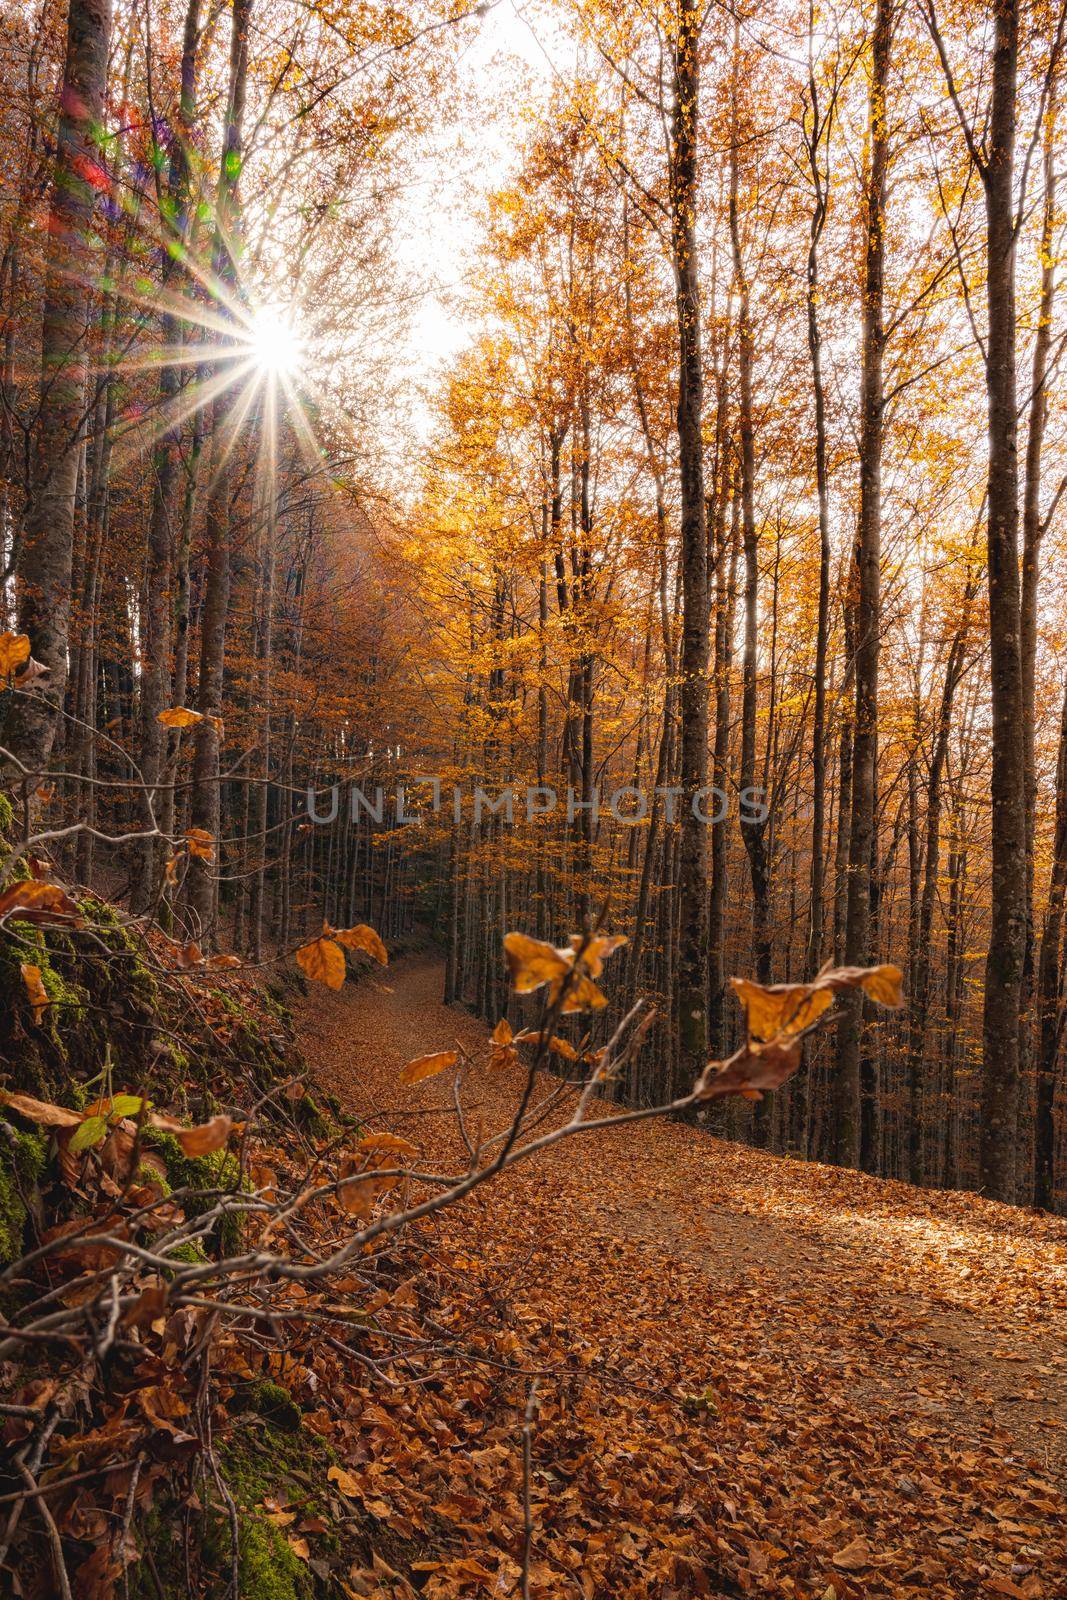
(362, 937)
(780, 1011)
(428, 1066)
(387, 1141)
(532, 964)
(31, 672)
(356, 1191)
(201, 843)
(179, 717)
(198, 1141)
(36, 991)
(14, 652)
(345, 1482)
(855, 1556)
(206, 1137)
(323, 961)
(39, 903)
(41, 1111)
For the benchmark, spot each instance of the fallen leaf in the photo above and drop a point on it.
(41, 1111)
(854, 1557)
(39, 903)
(35, 990)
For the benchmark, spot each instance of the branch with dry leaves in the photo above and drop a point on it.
(117, 1285)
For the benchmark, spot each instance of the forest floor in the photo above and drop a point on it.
(757, 1376)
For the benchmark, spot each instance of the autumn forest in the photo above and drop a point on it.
(532, 553)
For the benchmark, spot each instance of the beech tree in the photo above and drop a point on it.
(45, 559)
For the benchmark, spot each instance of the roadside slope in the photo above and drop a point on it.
(756, 1376)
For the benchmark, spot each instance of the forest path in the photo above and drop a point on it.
(874, 1363)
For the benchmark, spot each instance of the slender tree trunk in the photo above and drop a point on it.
(1007, 941)
(923, 953)
(725, 608)
(1033, 534)
(822, 636)
(849, 1122)
(1049, 993)
(753, 833)
(162, 543)
(45, 556)
(693, 692)
(205, 793)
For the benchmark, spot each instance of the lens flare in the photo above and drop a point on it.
(274, 345)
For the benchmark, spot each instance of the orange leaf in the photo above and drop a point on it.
(201, 843)
(198, 1141)
(532, 964)
(780, 1011)
(387, 1141)
(179, 717)
(362, 937)
(41, 1111)
(207, 1136)
(428, 1066)
(344, 1480)
(322, 961)
(37, 902)
(35, 989)
(14, 652)
(783, 1011)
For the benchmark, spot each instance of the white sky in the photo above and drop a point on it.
(500, 69)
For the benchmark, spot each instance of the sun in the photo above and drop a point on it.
(274, 344)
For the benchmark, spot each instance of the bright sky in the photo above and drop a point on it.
(502, 67)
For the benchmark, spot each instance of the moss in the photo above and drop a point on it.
(28, 945)
(268, 1568)
(217, 1170)
(275, 1405)
(22, 1160)
(191, 1252)
(258, 1461)
(7, 814)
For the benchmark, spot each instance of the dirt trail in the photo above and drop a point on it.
(864, 1337)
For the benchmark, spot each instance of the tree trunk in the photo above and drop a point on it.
(818, 730)
(849, 1122)
(753, 833)
(45, 556)
(923, 954)
(205, 795)
(693, 691)
(157, 614)
(1007, 939)
(1049, 997)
